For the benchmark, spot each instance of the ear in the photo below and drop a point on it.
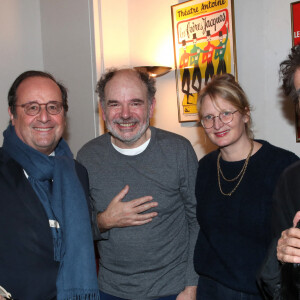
(152, 107)
(11, 116)
(102, 111)
(246, 116)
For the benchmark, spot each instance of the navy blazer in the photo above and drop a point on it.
(27, 268)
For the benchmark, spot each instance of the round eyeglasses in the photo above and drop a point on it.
(34, 108)
(225, 117)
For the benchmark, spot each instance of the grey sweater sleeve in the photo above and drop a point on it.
(97, 235)
(189, 165)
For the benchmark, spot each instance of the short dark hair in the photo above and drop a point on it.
(287, 72)
(12, 93)
(110, 73)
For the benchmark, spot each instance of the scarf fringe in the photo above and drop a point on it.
(79, 295)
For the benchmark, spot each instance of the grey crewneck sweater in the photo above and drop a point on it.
(155, 259)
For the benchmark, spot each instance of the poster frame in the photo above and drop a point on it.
(200, 14)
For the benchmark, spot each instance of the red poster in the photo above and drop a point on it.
(295, 10)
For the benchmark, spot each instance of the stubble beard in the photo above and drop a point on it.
(131, 140)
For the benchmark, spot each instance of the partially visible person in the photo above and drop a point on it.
(142, 187)
(234, 189)
(277, 278)
(46, 248)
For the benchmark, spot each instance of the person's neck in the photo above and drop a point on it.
(237, 151)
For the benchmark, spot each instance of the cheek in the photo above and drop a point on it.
(111, 114)
(61, 122)
(22, 122)
(208, 131)
(142, 113)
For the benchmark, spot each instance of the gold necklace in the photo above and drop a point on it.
(241, 173)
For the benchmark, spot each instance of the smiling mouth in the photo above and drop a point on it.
(222, 133)
(42, 129)
(126, 124)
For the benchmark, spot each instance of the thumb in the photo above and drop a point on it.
(121, 194)
(296, 218)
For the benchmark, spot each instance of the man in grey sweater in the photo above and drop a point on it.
(142, 182)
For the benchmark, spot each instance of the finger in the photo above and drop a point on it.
(144, 207)
(292, 233)
(296, 218)
(140, 201)
(289, 233)
(142, 222)
(121, 195)
(290, 242)
(288, 258)
(142, 217)
(289, 249)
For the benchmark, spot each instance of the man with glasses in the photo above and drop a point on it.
(146, 234)
(46, 248)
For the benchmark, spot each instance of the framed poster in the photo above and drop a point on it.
(295, 21)
(204, 45)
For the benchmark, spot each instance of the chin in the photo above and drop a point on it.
(221, 143)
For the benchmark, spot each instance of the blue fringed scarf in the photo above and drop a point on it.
(73, 244)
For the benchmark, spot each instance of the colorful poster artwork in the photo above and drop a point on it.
(204, 45)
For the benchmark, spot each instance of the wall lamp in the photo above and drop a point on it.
(154, 71)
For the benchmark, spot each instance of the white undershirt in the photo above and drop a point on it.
(134, 151)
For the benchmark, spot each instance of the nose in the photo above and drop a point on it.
(43, 115)
(125, 112)
(218, 123)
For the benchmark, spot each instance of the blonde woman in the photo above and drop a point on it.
(234, 190)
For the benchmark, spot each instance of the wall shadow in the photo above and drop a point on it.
(288, 107)
(66, 134)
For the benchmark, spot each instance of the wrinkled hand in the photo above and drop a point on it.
(288, 246)
(124, 214)
(189, 293)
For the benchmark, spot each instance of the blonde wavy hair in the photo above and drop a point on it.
(226, 87)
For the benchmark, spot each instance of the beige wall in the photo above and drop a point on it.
(20, 46)
(262, 42)
(58, 35)
(151, 43)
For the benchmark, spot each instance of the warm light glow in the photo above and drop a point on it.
(164, 53)
(154, 71)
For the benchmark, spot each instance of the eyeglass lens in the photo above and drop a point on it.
(34, 108)
(225, 117)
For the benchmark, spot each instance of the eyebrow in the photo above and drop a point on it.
(111, 101)
(137, 100)
(131, 100)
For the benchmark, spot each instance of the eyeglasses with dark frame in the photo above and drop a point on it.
(33, 108)
(225, 117)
